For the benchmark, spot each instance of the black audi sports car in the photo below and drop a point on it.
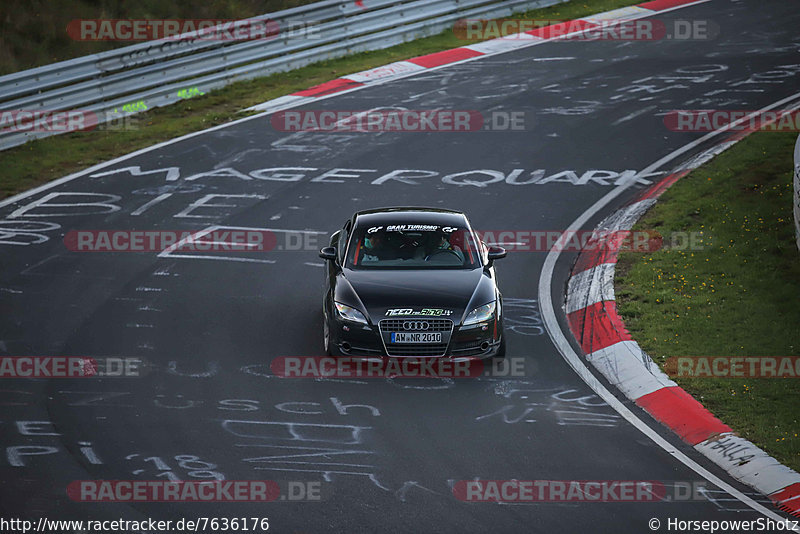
(411, 282)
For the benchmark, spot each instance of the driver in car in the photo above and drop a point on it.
(441, 243)
(376, 248)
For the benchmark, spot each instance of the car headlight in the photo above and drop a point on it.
(481, 314)
(349, 313)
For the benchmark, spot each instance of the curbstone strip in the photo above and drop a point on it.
(465, 53)
(592, 316)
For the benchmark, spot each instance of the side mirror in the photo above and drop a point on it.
(328, 253)
(495, 253)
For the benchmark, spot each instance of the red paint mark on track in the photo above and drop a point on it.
(679, 411)
(327, 88)
(657, 190)
(788, 499)
(659, 5)
(445, 57)
(593, 258)
(598, 326)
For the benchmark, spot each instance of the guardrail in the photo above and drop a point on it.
(797, 191)
(128, 80)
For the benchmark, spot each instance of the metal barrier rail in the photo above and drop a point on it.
(128, 80)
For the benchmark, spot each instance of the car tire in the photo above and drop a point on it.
(501, 352)
(326, 336)
(330, 349)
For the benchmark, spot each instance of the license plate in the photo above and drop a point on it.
(416, 337)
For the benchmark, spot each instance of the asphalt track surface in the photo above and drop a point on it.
(210, 328)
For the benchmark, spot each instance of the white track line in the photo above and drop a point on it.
(572, 358)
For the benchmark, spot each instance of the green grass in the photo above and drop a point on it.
(46, 159)
(738, 296)
(34, 32)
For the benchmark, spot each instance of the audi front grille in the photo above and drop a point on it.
(431, 350)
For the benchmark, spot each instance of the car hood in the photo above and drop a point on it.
(377, 291)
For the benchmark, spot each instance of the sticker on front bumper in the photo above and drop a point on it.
(430, 312)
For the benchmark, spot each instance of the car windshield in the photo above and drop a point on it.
(412, 246)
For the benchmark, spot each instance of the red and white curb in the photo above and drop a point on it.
(401, 69)
(592, 316)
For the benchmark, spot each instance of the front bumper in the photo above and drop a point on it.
(482, 340)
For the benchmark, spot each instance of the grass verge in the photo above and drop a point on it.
(43, 160)
(33, 32)
(738, 296)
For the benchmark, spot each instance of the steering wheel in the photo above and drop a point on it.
(443, 251)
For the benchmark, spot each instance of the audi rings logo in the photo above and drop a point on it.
(416, 325)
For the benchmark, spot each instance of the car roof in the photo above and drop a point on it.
(412, 215)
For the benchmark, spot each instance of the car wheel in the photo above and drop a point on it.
(330, 348)
(326, 336)
(501, 352)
